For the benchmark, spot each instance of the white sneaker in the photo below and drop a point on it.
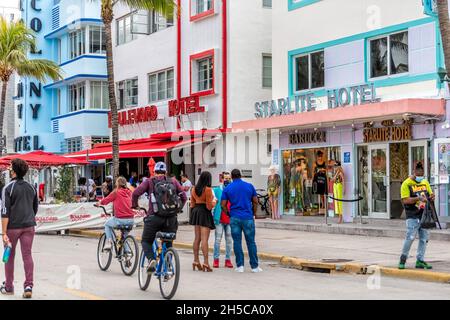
(239, 269)
(108, 245)
(256, 270)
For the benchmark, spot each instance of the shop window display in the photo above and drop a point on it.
(306, 179)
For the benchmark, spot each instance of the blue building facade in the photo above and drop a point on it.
(71, 114)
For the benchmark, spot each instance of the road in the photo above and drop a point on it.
(59, 259)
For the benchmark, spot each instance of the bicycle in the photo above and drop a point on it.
(125, 247)
(264, 201)
(167, 267)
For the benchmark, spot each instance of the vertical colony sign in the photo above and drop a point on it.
(25, 143)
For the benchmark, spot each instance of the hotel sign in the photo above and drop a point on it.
(386, 134)
(185, 106)
(135, 116)
(342, 97)
(308, 137)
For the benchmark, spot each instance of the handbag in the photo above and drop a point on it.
(428, 220)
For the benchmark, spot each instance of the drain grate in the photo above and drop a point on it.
(336, 260)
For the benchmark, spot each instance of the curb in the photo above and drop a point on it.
(308, 265)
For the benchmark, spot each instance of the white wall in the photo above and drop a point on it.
(250, 35)
(329, 20)
(138, 58)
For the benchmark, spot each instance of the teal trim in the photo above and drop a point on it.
(300, 4)
(363, 36)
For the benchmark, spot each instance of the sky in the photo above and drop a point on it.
(9, 3)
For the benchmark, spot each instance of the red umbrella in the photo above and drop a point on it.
(41, 159)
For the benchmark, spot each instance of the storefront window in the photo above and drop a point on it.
(302, 170)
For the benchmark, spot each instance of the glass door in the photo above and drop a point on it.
(379, 182)
(418, 152)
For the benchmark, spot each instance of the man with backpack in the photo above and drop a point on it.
(166, 199)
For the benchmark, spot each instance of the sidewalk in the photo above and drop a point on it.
(338, 252)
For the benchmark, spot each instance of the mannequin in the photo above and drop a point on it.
(273, 190)
(338, 190)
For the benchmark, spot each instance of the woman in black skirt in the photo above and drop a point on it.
(202, 202)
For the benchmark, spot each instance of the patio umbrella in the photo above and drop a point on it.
(41, 159)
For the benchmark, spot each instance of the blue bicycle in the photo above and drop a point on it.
(167, 267)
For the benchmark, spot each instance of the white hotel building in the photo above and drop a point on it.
(216, 50)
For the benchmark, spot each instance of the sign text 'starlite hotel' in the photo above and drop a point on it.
(370, 86)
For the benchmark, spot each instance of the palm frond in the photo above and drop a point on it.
(39, 69)
(16, 41)
(165, 7)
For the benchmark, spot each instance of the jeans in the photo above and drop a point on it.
(413, 227)
(26, 237)
(248, 227)
(114, 223)
(220, 230)
(152, 225)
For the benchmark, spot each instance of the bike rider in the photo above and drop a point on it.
(157, 221)
(123, 215)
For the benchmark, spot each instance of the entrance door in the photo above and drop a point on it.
(379, 182)
(418, 152)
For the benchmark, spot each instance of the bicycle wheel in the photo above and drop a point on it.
(143, 277)
(104, 257)
(170, 276)
(130, 256)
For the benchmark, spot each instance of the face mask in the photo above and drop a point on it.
(226, 183)
(419, 179)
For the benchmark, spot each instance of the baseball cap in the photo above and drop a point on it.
(161, 166)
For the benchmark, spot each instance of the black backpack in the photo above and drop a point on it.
(167, 198)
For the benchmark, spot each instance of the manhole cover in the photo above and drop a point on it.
(336, 260)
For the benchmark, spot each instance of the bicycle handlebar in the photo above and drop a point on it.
(104, 210)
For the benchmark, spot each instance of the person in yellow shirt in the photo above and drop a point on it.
(415, 193)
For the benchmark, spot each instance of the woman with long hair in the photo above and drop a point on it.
(202, 203)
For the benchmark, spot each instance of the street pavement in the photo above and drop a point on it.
(58, 259)
(335, 248)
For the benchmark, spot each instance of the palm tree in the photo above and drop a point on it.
(444, 25)
(164, 7)
(16, 41)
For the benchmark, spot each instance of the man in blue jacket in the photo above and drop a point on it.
(222, 222)
(244, 204)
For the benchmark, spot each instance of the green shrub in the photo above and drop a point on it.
(65, 185)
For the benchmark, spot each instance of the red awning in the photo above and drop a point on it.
(139, 148)
(41, 159)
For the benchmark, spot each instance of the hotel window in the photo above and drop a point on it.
(97, 40)
(77, 97)
(161, 85)
(310, 71)
(205, 74)
(74, 144)
(98, 140)
(99, 95)
(58, 102)
(124, 34)
(267, 71)
(77, 43)
(267, 3)
(128, 93)
(203, 6)
(389, 55)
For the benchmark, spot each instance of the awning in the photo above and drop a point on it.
(140, 148)
(369, 112)
(41, 159)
